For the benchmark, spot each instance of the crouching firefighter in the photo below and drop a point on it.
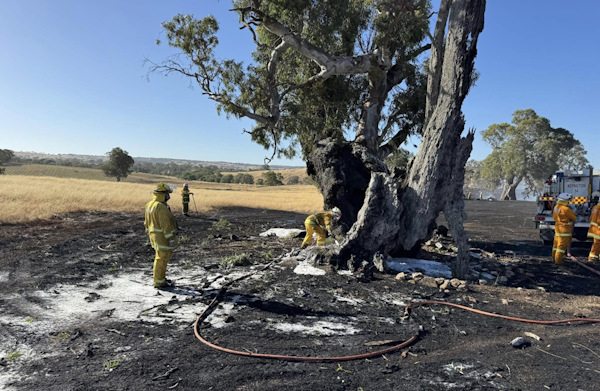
(162, 230)
(318, 223)
(564, 220)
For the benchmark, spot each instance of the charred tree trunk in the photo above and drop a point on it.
(399, 215)
(454, 209)
(342, 171)
(376, 229)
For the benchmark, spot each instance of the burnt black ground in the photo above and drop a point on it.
(456, 349)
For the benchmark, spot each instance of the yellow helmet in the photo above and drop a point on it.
(162, 188)
(336, 212)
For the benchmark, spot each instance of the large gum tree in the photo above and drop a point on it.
(345, 83)
(528, 150)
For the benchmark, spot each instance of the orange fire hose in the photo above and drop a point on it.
(378, 353)
(295, 358)
(583, 265)
(573, 320)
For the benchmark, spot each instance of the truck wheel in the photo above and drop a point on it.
(580, 234)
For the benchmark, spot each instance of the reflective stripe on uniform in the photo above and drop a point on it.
(558, 250)
(557, 234)
(591, 235)
(596, 224)
(160, 247)
(154, 229)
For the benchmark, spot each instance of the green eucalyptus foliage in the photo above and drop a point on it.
(529, 149)
(309, 112)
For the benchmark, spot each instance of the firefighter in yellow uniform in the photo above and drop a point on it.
(564, 218)
(318, 223)
(162, 230)
(185, 198)
(594, 230)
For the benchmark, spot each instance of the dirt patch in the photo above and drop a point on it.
(80, 313)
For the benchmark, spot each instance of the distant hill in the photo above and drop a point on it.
(224, 166)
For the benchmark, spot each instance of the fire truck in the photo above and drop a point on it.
(581, 184)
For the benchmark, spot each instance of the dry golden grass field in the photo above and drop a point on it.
(31, 192)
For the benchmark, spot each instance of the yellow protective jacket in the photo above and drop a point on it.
(594, 231)
(185, 196)
(322, 219)
(564, 218)
(160, 223)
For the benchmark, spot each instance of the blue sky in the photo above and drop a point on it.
(73, 79)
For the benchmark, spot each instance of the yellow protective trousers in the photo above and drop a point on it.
(595, 250)
(594, 233)
(160, 266)
(312, 228)
(559, 247)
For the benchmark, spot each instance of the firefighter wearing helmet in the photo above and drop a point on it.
(162, 230)
(564, 218)
(594, 230)
(185, 198)
(318, 223)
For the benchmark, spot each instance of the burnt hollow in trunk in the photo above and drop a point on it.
(342, 171)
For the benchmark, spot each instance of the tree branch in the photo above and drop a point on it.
(396, 73)
(396, 141)
(203, 81)
(275, 98)
(436, 59)
(330, 65)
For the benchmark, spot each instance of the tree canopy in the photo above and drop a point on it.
(6, 155)
(528, 150)
(311, 70)
(272, 178)
(119, 164)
